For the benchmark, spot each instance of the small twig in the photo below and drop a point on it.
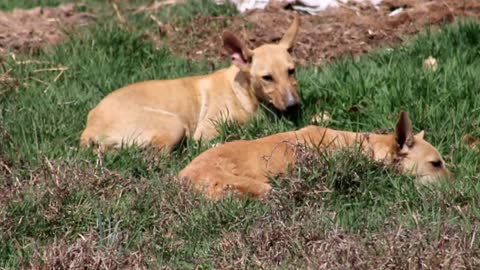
(46, 88)
(53, 171)
(473, 237)
(40, 81)
(415, 218)
(5, 74)
(119, 14)
(448, 7)
(349, 7)
(51, 69)
(61, 69)
(156, 20)
(26, 62)
(6, 167)
(58, 76)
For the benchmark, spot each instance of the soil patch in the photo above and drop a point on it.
(351, 29)
(29, 30)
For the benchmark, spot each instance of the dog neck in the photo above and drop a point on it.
(379, 147)
(241, 86)
(383, 147)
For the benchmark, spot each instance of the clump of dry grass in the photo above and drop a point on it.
(7, 82)
(7, 168)
(87, 252)
(91, 214)
(302, 245)
(318, 173)
(53, 192)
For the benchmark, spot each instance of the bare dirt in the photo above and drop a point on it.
(349, 30)
(29, 30)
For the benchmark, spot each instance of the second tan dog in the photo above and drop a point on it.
(246, 165)
(162, 113)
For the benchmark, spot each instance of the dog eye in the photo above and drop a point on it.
(267, 78)
(291, 71)
(436, 163)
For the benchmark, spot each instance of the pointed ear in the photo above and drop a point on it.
(240, 54)
(289, 38)
(403, 131)
(419, 136)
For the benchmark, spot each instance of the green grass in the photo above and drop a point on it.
(11, 4)
(125, 202)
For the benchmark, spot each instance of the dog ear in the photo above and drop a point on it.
(419, 136)
(241, 55)
(289, 38)
(403, 131)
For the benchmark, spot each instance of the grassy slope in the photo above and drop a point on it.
(124, 202)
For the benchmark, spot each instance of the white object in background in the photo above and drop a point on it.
(430, 63)
(244, 5)
(309, 6)
(396, 12)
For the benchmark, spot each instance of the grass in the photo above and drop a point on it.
(62, 206)
(11, 4)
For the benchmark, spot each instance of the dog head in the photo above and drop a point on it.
(270, 68)
(416, 156)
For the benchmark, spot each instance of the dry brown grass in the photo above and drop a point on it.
(65, 198)
(87, 252)
(301, 245)
(7, 82)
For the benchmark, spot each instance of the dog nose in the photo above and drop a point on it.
(290, 100)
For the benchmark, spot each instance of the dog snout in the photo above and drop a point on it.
(450, 176)
(291, 100)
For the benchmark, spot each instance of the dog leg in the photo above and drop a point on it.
(251, 186)
(168, 139)
(217, 186)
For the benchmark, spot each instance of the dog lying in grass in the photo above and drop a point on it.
(161, 113)
(246, 165)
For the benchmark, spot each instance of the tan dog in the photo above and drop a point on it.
(162, 113)
(246, 165)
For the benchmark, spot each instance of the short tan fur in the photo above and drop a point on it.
(246, 165)
(161, 113)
